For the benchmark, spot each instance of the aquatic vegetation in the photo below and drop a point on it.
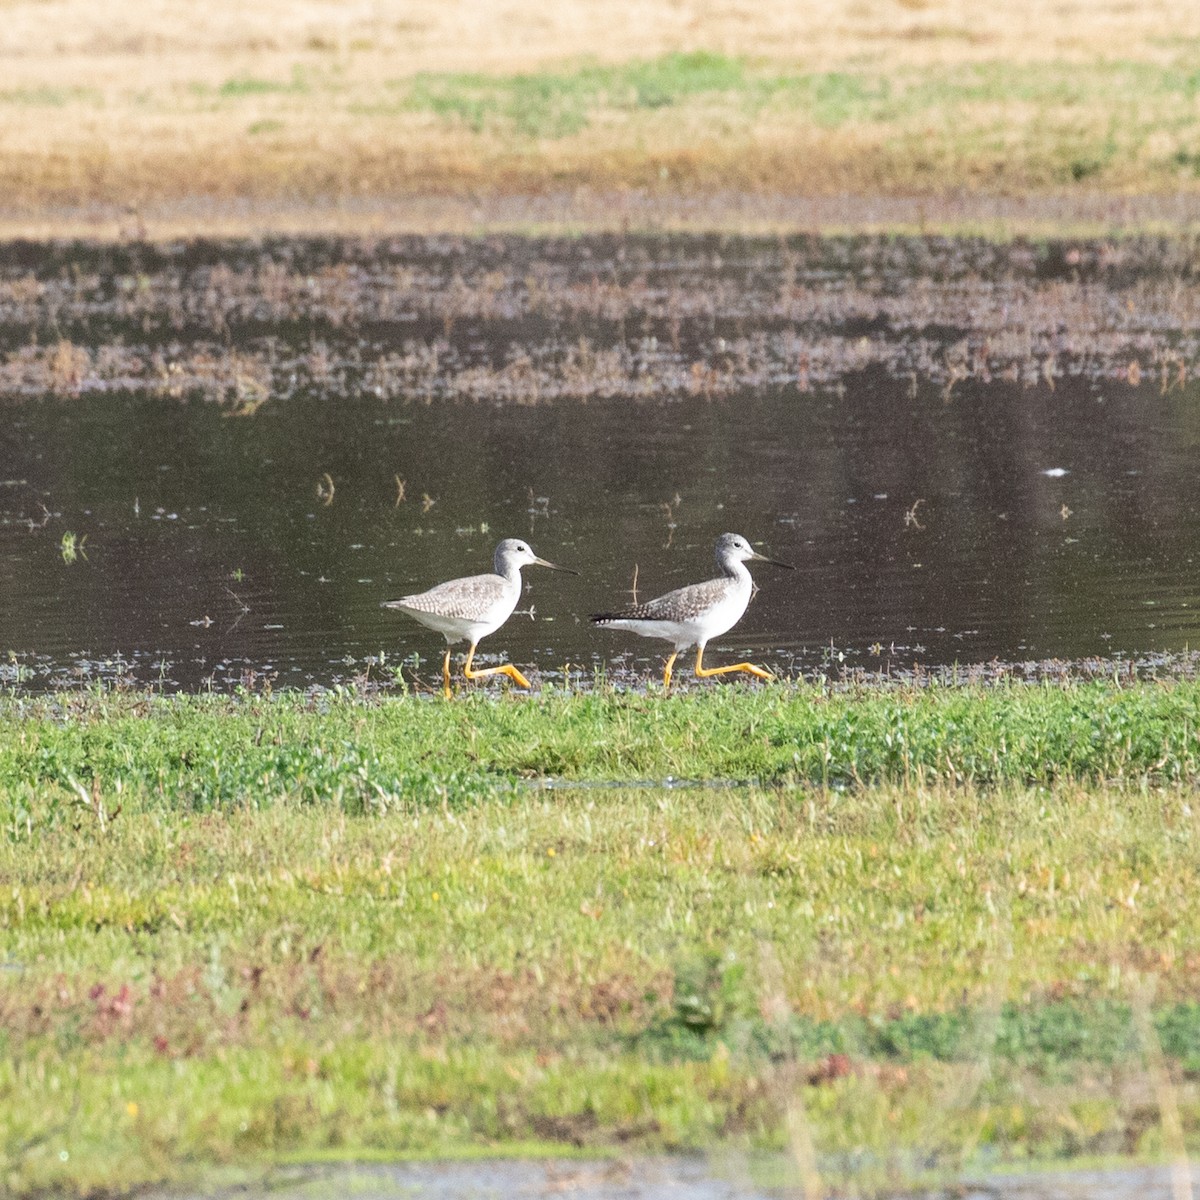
(71, 547)
(677, 318)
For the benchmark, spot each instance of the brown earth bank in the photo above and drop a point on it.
(627, 209)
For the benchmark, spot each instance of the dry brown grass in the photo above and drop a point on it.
(155, 44)
(138, 105)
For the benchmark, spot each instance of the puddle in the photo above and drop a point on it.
(216, 460)
(668, 784)
(683, 1178)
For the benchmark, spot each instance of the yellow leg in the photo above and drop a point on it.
(446, 673)
(504, 669)
(706, 672)
(667, 670)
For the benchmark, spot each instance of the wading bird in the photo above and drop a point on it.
(469, 609)
(691, 615)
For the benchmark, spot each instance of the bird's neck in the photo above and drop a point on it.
(734, 568)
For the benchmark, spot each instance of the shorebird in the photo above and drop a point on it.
(691, 615)
(469, 609)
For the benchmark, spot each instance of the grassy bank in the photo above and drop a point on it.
(208, 752)
(241, 931)
(137, 110)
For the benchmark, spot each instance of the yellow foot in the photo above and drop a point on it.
(507, 669)
(704, 672)
(504, 669)
(513, 674)
(667, 671)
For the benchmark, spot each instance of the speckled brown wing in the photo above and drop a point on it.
(683, 604)
(470, 598)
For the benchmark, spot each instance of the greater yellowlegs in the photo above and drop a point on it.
(692, 615)
(469, 609)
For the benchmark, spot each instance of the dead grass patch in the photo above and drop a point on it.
(344, 102)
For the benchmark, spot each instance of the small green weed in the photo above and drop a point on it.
(71, 547)
(248, 86)
(49, 97)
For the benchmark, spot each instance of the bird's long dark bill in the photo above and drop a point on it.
(541, 562)
(774, 562)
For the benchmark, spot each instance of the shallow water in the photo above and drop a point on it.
(682, 1178)
(225, 448)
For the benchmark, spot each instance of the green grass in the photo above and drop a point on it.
(239, 931)
(558, 103)
(1079, 126)
(203, 752)
(49, 97)
(248, 86)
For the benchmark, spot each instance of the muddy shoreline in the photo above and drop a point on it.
(583, 210)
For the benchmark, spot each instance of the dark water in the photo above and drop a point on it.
(1001, 520)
